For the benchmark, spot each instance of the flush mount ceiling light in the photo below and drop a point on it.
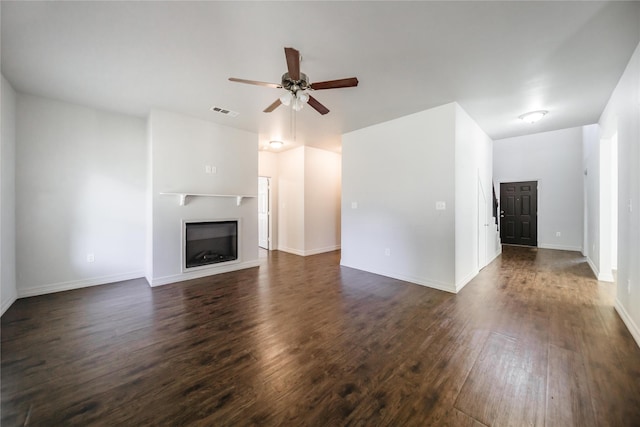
(276, 144)
(533, 116)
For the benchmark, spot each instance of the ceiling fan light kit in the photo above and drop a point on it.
(297, 86)
(286, 99)
(297, 105)
(302, 96)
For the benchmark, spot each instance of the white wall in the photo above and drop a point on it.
(148, 248)
(554, 159)
(8, 291)
(322, 184)
(591, 202)
(291, 197)
(181, 147)
(473, 164)
(395, 172)
(605, 266)
(622, 115)
(80, 183)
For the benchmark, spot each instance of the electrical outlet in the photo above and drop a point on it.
(558, 234)
(387, 252)
(354, 205)
(90, 258)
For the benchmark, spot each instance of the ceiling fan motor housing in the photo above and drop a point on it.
(295, 85)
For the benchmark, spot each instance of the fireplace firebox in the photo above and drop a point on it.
(210, 242)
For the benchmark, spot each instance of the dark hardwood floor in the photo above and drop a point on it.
(533, 340)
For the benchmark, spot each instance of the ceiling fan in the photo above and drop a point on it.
(297, 85)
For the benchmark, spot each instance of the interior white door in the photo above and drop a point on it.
(263, 212)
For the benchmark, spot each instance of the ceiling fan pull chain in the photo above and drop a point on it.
(293, 124)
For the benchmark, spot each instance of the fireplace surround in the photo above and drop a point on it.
(209, 242)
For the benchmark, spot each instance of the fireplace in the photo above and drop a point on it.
(210, 242)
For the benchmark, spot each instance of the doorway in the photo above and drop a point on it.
(483, 223)
(264, 213)
(519, 213)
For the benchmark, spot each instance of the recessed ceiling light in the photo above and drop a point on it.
(533, 116)
(276, 144)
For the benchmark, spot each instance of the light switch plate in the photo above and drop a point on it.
(440, 206)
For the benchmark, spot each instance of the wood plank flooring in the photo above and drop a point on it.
(533, 340)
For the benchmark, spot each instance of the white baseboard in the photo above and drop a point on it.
(560, 247)
(77, 284)
(496, 255)
(465, 280)
(628, 321)
(601, 276)
(321, 250)
(310, 251)
(291, 251)
(166, 280)
(8, 303)
(606, 277)
(593, 267)
(441, 286)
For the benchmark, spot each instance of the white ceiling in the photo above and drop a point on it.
(496, 59)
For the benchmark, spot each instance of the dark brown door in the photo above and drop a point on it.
(519, 213)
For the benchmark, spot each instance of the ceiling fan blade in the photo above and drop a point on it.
(273, 106)
(333, 84)
(257, 83)
(315, 104)
(293, 62)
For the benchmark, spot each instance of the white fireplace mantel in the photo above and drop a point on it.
(183, 196)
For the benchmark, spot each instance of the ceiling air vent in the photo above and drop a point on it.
(224, 111)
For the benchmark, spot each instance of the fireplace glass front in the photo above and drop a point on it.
(210, 242)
